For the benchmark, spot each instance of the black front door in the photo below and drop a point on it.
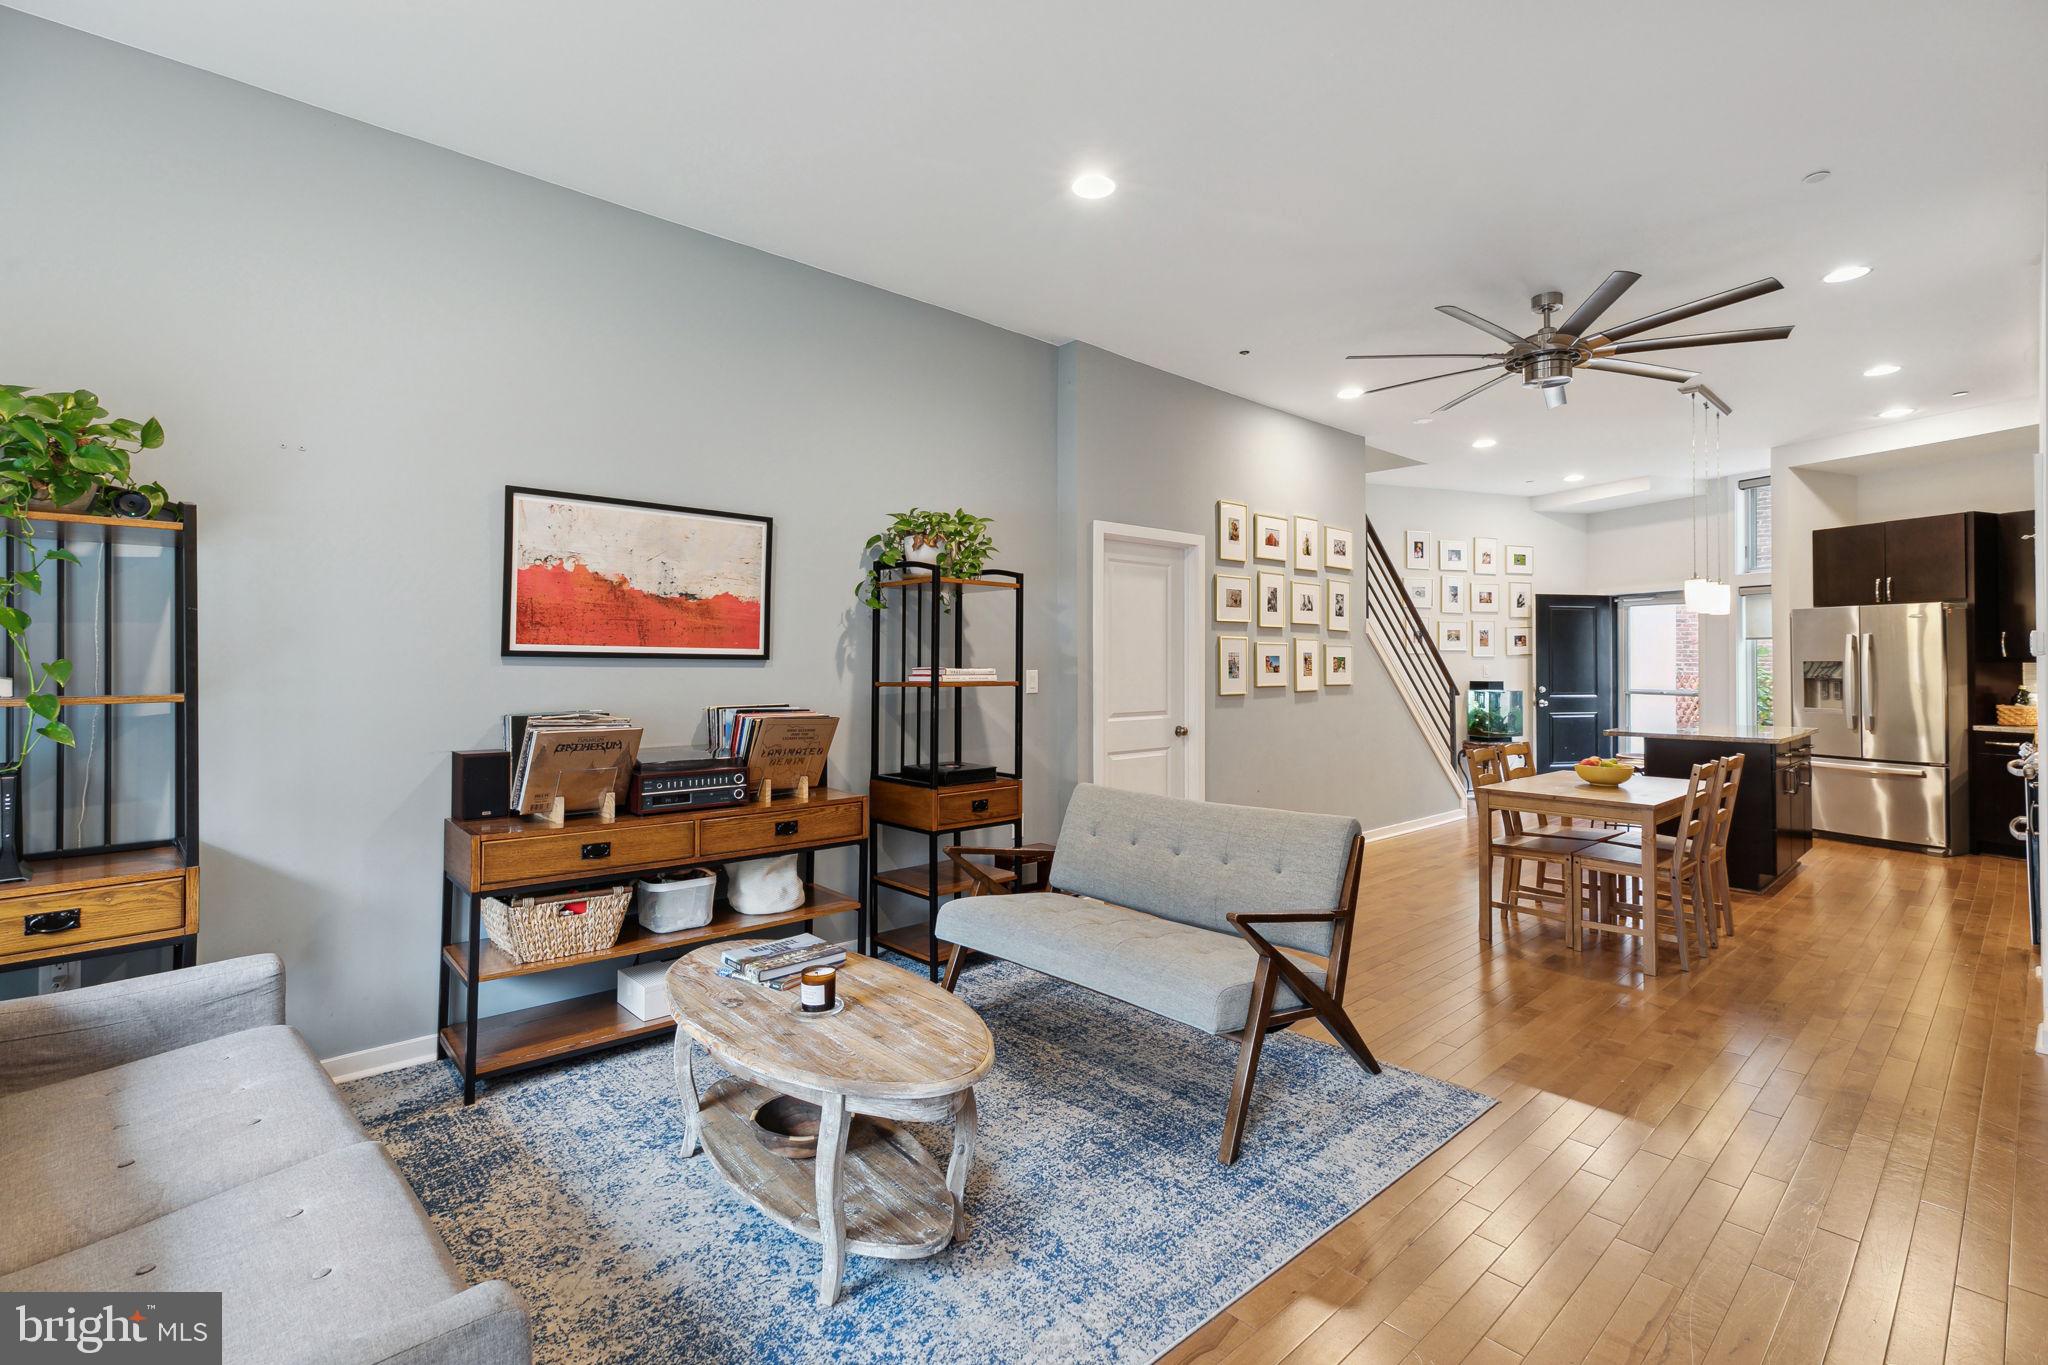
(1575, 679)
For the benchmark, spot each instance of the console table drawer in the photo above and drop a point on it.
(42, 923)
(586, 852)
(734, 834)
(980, 805)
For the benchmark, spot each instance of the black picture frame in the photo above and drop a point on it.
(511, 649)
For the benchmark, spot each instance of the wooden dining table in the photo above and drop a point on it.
(1642, 801)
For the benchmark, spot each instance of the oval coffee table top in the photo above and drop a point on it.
(897, 1037)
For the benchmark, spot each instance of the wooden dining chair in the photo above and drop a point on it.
(1519, 852)
(1720, 895)
(1677, 888)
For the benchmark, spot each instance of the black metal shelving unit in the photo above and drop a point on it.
(930, 628)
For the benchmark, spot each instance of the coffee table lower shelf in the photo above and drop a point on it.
(893, 1190)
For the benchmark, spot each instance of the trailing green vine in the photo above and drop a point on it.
(57, 449)
(959, 541)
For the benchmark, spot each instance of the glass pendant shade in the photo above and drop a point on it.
(1708, 598)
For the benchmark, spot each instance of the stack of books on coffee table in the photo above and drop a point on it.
(780, 963)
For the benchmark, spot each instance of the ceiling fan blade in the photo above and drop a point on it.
(1426, 378)
(1599, 301)
(1640, 370)
(1753, 289)
(1473, 319)
(1695, 339)
(1553, 397)
(1432, 355)
(1472, 393)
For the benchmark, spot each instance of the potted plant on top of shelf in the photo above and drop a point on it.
(57, 451)
(959, 541)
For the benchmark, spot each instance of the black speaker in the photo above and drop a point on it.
(482, 783)
(129, 503)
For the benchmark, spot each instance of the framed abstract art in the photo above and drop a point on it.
(597, 577)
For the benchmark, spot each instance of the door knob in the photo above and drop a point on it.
(1181, 731)
(1542, 702)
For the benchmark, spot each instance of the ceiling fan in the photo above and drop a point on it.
(1547, 357)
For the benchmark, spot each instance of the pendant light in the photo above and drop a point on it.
(1704, 594)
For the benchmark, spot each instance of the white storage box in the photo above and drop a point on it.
(680, 901)
(643, 990)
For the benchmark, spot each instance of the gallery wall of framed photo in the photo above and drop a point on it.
(1472, 565)
(1284, 602)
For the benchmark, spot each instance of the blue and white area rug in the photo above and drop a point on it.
(1101, 1226)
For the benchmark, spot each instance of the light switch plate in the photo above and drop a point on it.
(1030, 682)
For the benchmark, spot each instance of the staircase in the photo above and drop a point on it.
(1402, 640)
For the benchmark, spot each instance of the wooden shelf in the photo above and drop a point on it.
(956, 682)
(84, 519)
(909, 941)
(153, 699)
(923, 579)
(952, 881)
(819, 901)
(505, 1042)
(81, 871)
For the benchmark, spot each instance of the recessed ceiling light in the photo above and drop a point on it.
(1960, 393)
(1093, 185)
(1424, 421)
(1880, 371)
(1898, 412)
(1350, 392)
(1842, 274)
(1485, 443)
(1575, 478)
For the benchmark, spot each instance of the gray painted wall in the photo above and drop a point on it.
(355, 341)
(1152, 449)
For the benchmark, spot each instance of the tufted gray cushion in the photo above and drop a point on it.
(331, 1259)
(96, 1154)
(1158, 964)
(1194, 862)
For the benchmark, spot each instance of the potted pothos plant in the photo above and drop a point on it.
(958, 542)
(57, 451)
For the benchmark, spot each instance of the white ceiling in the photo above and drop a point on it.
(1302, 180)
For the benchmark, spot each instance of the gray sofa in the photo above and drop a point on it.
(170, 1133)
(1233, 919)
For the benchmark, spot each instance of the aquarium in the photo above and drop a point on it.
(1493, 711)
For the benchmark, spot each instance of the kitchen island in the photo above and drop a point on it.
(1773, 811)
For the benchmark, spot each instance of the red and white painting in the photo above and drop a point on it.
(607, 576)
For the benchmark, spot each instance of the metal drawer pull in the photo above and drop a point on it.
(53, 922)
(2017, 827)
(979, 805)
(597, 850)
(784, 828)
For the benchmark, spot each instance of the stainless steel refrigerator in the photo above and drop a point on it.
(1885, 689)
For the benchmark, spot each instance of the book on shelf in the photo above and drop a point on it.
(922, 674)
(576, 755)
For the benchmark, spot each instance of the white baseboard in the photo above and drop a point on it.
(1395, 831)
(371, 1061)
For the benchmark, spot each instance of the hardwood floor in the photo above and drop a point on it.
(1830, 1143)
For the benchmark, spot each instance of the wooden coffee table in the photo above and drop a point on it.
(899, 1048)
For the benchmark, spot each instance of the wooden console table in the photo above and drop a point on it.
(513, 857)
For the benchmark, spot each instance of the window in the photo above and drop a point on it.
(1660, 663)
(1759, 698)
(1754, 516)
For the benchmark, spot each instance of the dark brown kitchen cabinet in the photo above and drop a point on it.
(1848, 565)
(2013, 602)
(1997, 798)
(1920, 559)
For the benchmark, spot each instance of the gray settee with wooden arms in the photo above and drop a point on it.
(172, 1133)
(1233, 919)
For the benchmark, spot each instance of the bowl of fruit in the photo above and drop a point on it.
(1604, 772)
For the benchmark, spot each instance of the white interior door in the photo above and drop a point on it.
(1147, 667)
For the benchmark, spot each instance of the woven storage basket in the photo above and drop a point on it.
(542, 928)
(2016, 715)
